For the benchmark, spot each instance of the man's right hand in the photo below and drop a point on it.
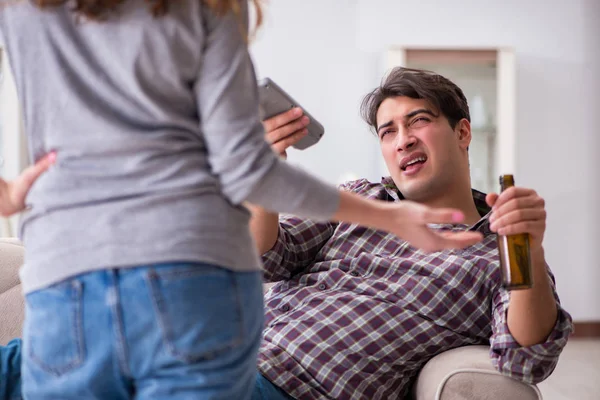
(285, 130)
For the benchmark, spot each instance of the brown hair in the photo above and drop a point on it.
(99, 9)
(440, 92)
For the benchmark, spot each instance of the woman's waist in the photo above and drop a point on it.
(151, 214)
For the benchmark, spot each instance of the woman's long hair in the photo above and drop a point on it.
(100, 9)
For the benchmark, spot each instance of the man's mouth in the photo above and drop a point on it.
(413, 163)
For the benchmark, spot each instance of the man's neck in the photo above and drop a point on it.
(461, 200)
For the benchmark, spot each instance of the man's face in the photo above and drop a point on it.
(423, 154)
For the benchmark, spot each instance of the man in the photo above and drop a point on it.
(356, 313)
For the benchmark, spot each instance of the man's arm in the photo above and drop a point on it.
(288, 247)
(531, 312)
(534, 363)
(264, 226)
(530, 329)
(296, 247)
(282, 131)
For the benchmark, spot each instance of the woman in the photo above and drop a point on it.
(141, 277)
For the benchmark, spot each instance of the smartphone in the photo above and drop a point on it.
(274, 100)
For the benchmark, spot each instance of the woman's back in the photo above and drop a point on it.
(115, 98)
(156, 140)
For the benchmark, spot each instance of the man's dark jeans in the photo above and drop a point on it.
(10, 371)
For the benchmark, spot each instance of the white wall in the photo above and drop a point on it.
(309, 48)
(328, 54)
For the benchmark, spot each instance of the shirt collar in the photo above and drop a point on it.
(478, 197)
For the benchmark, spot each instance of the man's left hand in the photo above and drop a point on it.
(518, 210)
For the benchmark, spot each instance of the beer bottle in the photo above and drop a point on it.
(515, 258)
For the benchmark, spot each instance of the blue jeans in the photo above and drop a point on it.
(10, 371)
(10, 385)
(169, 331)
(265, 390)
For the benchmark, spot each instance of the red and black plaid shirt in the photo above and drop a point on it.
(357, 312)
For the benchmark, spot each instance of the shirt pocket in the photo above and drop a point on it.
(54, 328)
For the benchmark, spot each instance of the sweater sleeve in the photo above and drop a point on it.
(247, 168)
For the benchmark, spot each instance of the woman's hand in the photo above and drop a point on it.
(13, 193)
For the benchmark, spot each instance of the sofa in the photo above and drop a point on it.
(464, 373)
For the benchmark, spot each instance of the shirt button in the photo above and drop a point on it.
(354, 273)
(285, 308)
(322, 286)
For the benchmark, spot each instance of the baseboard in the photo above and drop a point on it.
(586, 329)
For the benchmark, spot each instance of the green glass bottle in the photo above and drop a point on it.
(515, 257)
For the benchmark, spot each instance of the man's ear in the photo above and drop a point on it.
(463, 133)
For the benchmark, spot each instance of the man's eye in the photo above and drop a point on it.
(419, 121)
(382, 134)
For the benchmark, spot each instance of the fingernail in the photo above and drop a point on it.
(305, 120)
(457, 217)
(297, 111)
(52, 156)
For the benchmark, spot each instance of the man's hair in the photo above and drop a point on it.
(447, 98)
(100, 9)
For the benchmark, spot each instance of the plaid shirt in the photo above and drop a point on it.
(358, 312)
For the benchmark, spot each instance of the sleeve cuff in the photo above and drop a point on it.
(530, 364)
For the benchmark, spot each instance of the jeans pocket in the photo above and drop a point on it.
(53, 328)
(199, 310)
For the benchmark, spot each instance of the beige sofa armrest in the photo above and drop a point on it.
(11, 259)
(11, 299)
(466, 373)
(12, 305)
